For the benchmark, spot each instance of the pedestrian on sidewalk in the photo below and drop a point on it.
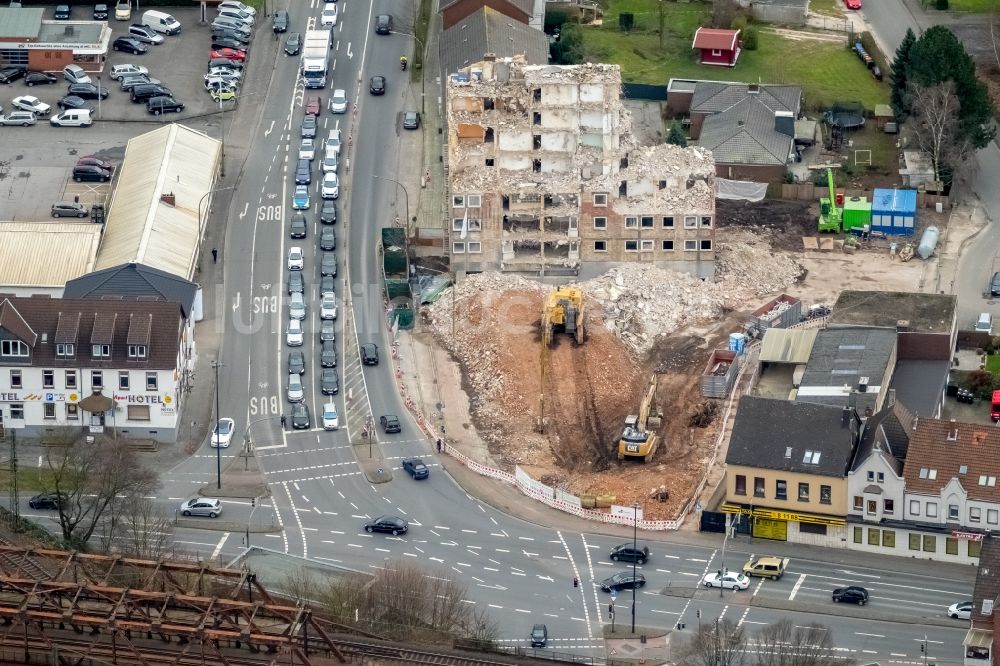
(439, 444)
(215, 255)
(283, 421)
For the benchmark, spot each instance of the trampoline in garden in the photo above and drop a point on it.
(845, 116)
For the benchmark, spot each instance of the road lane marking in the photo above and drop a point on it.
(795, 588)
(861, 633)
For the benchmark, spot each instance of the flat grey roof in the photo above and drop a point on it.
(840, 357)
(925, 313)
(22, 23)
(920, 386)
(83, 32)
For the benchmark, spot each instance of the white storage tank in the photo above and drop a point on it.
(928, 242)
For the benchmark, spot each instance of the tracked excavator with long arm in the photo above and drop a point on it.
(639, 439)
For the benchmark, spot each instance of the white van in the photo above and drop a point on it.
(237, 14)
(985, 323)
(73, 118)
(161, 22)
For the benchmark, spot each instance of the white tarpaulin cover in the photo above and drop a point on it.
(739, 189)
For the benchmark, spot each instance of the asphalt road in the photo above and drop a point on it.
(521, 572)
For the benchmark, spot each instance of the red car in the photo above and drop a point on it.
(853, 4)
(90, 160)
(313, 105)
(231, 54)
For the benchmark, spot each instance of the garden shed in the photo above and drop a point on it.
(894, 211)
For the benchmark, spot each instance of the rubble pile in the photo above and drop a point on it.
(746, 267)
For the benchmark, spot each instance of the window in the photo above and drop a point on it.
(758, 486)
(803, 492)
(825, 495)
(881, 477)
(741, 484)
(780, 490)
(871, 475)
(600, 223)
(930, 543)
(668, 222)
(631, 223)
(474, 200)
(72, 412)
(17, 411)
(49, 410)
(138, 413)
(951, 546)
(716, 52)
(631, 246)
(690, 222)
(646, 221)
(65, 350)
(859, 503)
(458, 247)
(975, 514)
(873, 537)
(932, 510)
(872, 507)
(15, 379)
(123, 381)
(987, 481)
(963, 469)
(536, 118)
(926, 473)
(151, 381)
(458, 201)
(13, 348)
(706, 221)
(888, 506)
(812, 528)
(48, 378)
(858, 533)
(600, 246)
(690, 245)
(137, 351)
(667, 245)
(646, 246)
(601, 199)
(457, 223)
(974, 548)
(96, 379)
(475, 247)
(914, 507)
(788, 452)
(914, 542)
(888, 538)
(71, 379)
(992, 516)
(952, 512)
(706, 244)
(811, 457)
(489, 161)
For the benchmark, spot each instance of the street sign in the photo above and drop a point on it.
(614, 594)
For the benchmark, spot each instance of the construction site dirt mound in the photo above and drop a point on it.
(785, 221)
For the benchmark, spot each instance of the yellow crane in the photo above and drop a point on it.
(639, 439)
(563, 313)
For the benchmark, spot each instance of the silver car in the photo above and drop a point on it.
(296, 393)
(296, 307)
(201, 506)
(22, 118)
(338, 101)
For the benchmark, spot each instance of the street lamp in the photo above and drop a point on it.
(406, 196)
(201, 219)
(217, 436)
(423, 72)
(635, 527)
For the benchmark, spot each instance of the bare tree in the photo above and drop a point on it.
(137, 527)
(784, 644)
(721, 643)
(935, 124)
(724, 12)
(93, 479)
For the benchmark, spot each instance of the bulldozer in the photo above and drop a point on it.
(639, 439)
(563, 314)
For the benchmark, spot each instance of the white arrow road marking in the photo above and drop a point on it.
(270, 127)
(245, 207)
(236, 302)
(350, 54)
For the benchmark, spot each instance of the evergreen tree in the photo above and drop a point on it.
(676, 135)
(900, 98)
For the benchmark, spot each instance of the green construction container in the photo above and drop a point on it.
(394, 251)
(857, 213)
(396, 288)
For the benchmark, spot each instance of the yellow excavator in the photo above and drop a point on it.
(563, 314)
(639, 439)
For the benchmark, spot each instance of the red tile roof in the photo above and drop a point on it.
(945, 450)
(716, 38)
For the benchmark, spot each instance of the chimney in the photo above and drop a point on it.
(753, 89)
(69, 32)
(902, 325)
(890, 400)
(863, 385)
(489, 57)
(169, 199)
(784, 123)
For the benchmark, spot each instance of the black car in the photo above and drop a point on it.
(369, 354)
(327, 285)
(293, 43)
(236, 35)
(72, 102)
(411, 120)
(328, 265)
(280, 21)
(416, 468)
(308, 129)
(295, 283)
(377, 85)
(163, 104)
(328, 382)
(100, 12)
(88, 91)
(390, 524)
(139, 94)
(383, 24)
(851, 595)
(626, 553)
(12, 73)
(327, 238)
(129, 45)
(62, 12)
(225, 62)
(995, 285)
(228, 43)
(328, 212)
(539, 635)
(296, 362)
(87, 172)
(328, 355)
(39, 78)
(303, 173)
(297, 227)
(327, 330)
(390, 423)
(50, 501)
(623, 581)
(300, 416)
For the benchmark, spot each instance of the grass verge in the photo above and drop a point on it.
(420, 27)
(973, 6)
(993, 363)
(29, 479)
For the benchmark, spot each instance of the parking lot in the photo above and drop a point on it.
(37, 161)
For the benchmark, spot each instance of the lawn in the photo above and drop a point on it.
(827, 71)
(30, 480)
(975, 6)
(993, 363)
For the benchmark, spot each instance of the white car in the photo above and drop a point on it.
(222, 433)
(330, 419)
(225, 72)
(127, 69)
(733, 580)
(235, 4)
(75, 74)
(329, 15)
(33, 104)
(296, 306)
(295, 391)
(220, 83)
(293, 334)
(328, 307)
(333, 142)
(960, 611)
(330, 188)
(307, 149)
(296, 258)
(338, 102)
(331, 163)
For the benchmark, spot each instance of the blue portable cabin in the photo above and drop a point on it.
(894, 212)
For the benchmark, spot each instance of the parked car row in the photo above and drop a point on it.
(232, 31)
